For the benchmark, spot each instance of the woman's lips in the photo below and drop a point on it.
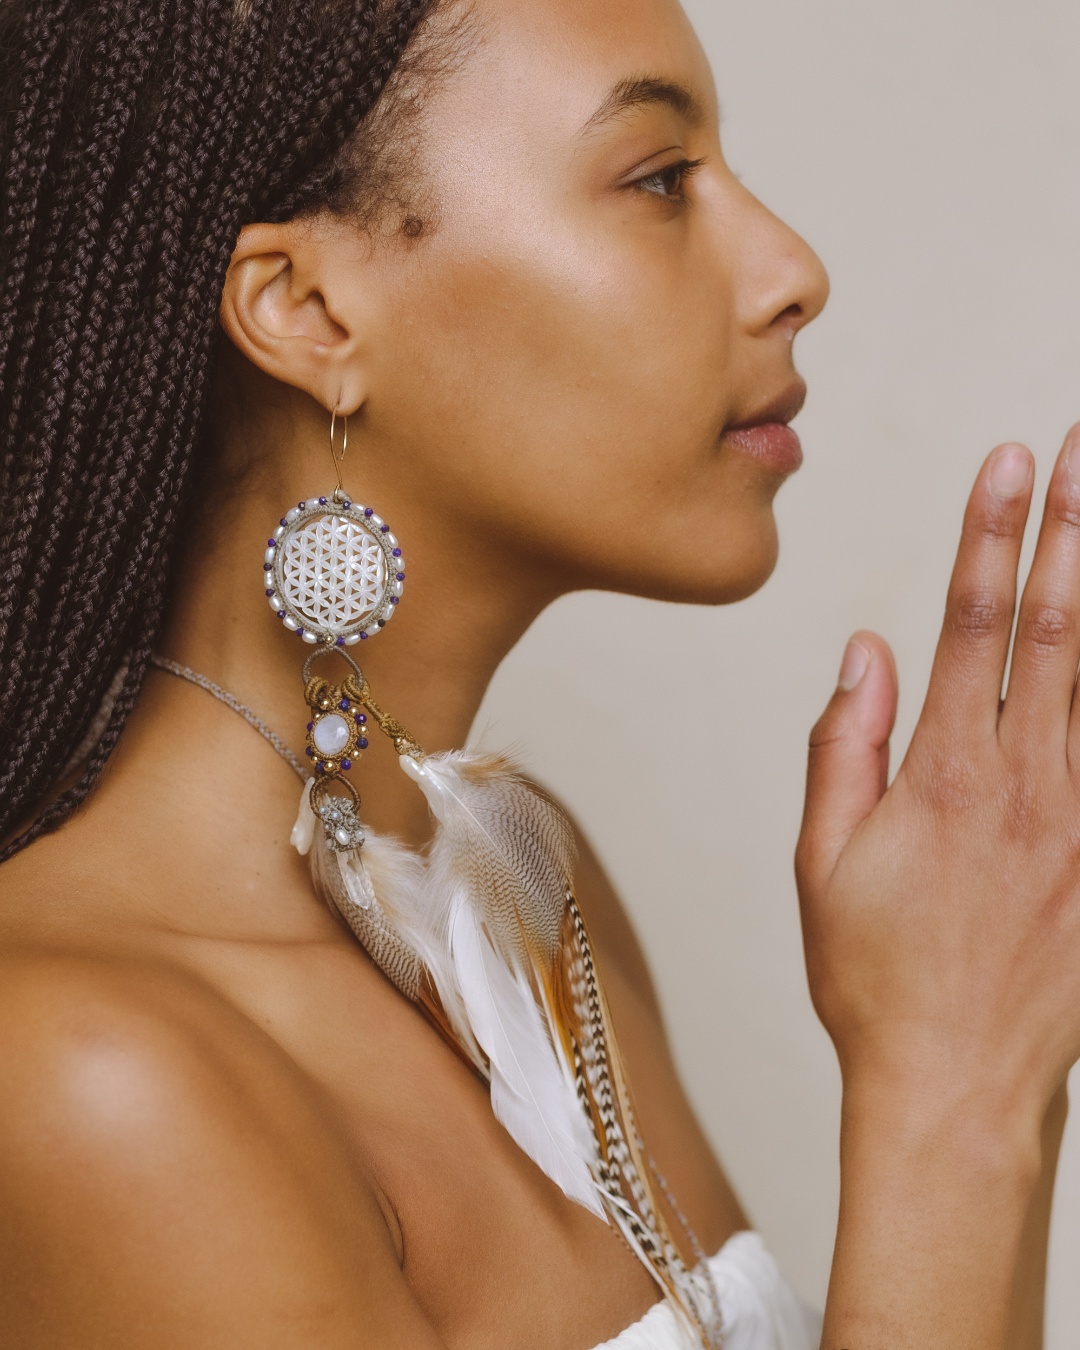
(772, 444)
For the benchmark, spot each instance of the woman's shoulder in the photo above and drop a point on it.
(165, 1162)
(97, 1026)
(113, 1064)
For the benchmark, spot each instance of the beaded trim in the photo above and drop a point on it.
(333, 571)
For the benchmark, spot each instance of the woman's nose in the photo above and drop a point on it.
(783, 282)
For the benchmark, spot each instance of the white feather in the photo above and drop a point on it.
(529, 1095)
(489, 990)
(487, 921)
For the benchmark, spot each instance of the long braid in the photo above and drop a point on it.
(139, 137)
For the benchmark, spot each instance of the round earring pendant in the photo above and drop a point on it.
(333, 571)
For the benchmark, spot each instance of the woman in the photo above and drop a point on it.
(499, 238)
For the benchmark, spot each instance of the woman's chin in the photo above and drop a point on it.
(717, 572)
(727, 588)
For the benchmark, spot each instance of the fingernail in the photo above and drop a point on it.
(1072, 457)
(853, 666)
(1010, 471)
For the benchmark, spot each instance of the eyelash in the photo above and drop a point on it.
(682, 170)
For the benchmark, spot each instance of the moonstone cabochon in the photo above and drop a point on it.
(331, 734)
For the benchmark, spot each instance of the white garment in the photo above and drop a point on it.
(760, 1310)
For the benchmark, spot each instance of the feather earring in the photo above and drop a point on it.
(483, 932)
(486, 935)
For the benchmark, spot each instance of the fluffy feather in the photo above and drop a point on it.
(485, 934)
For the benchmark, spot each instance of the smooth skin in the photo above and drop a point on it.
(219, 1125)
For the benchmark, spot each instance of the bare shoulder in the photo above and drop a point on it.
(166, 1180)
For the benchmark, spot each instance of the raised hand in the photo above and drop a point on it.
(941, 917)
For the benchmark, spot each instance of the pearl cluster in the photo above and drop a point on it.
(333, 571)
(342, 827)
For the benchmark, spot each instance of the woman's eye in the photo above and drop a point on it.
(669, 181)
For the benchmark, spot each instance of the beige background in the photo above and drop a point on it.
(928, 150)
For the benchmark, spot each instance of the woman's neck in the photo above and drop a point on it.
(189, 827)
(460, 615)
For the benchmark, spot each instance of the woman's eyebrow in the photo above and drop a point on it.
(641, 91)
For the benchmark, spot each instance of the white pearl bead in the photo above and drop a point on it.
(290, 623)
(275, 603)
(268, 556)
(342, 836)
(375, 520)
(391, 539)
(352, 639)
(397, 587)
(279, 531)
(309, 636)
(290, 516)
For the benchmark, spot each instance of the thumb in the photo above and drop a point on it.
(849, 756)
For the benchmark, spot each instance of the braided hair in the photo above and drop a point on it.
(137, 137)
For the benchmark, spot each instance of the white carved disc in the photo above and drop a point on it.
(333, 572)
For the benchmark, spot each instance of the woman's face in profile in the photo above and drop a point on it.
(595, 301)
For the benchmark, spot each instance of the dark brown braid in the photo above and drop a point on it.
(137, 138)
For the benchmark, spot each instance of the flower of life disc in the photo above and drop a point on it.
(332, 572)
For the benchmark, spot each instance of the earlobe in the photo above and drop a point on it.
(275, 312)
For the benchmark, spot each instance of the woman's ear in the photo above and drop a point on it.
(279, 310)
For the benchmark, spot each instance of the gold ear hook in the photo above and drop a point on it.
(338, 459)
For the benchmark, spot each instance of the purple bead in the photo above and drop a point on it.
(362, 636)
(385, 529)
(270, 592)
(271, 543)
(397, 553)
(318, 768)
(400, 576)
(322, 501)
(346, 506)
(361, 718)
(369, 511)
(281, 613)
(346, 763)
(362, 742)
(393, 599)
(299, 632)
(345, 705)
(310, 726)
(284, 521)
(341, 642)
(268, 567)
(300, 505)
(309, 752)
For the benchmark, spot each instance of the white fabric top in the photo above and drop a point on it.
(760, 1310)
